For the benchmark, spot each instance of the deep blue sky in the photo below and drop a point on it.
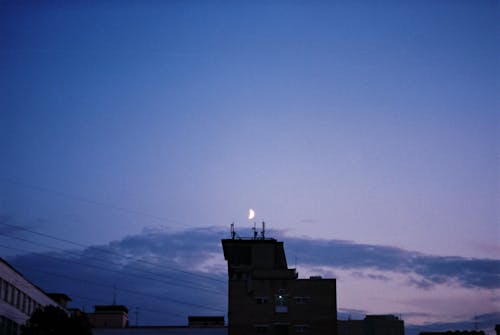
(370, 121)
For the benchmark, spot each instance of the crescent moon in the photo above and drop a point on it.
(251, 214)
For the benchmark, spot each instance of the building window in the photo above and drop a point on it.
(301, 300)
(8, 327)
(18, 299)
(5, 292)
(12, 295)
(261, 329)
(28, 305)
(301, 328)
(262, 300)
(281, 303)
(281, 329)
(24, 307)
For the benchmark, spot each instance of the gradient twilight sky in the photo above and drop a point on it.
(369, 121)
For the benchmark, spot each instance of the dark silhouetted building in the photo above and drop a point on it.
(455, 332)
(109, 316)
(265, 296)
(372, 325)
(206, 321)
(197, 325)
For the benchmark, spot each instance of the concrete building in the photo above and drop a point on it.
(19, 298)
(372, 325)
(265, 296)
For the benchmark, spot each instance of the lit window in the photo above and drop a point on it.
(281, 303)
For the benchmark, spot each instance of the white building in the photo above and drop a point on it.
(19, 298)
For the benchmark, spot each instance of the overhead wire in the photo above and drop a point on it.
(147, 309)
(110, 252)
(67, 260)
(116, 208)
(185, 284)
(93, 202)
(160, 298)
(89, 201)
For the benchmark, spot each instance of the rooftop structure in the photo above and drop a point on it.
(372, 325)
(265, 296)
(109, 316)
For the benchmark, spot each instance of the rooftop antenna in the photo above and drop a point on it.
(263, 232)
(254, 231)
(233, 233)
(114, 294)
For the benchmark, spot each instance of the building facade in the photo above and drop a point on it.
(266, 297)
(19, 298)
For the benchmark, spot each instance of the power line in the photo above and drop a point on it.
(176, 283)
(90, 201)
(110, 252)
(85, 298)
(147, 309)
(116, 271)
(160, 298)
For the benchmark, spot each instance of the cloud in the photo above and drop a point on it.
(467, 272)
(172, 274)
(359, 274)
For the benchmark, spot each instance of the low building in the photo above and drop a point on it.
(19, 298)
(372, 325)
(109, 316)
(161, 330)
(197, 325)
(205, 321)
(455, 332)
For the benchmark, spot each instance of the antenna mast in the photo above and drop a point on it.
(233, 234)
(263, 232)
(114, 294)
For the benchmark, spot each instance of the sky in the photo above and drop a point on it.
(367, 124)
